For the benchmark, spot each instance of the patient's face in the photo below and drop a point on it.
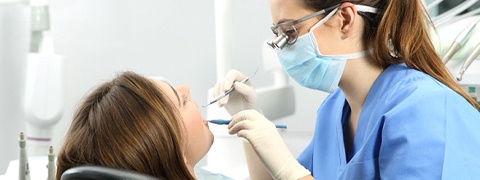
(200, 138)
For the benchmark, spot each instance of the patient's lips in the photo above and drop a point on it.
(205, 122)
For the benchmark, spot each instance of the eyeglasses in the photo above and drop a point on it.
(286, 33)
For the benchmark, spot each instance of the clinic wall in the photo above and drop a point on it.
(174, 39)
(13, 46)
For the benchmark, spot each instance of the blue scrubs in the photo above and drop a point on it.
(411, 127)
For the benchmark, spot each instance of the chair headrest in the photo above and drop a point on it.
(92, 172)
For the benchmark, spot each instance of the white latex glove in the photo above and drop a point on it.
(268, 144)
(242, 98)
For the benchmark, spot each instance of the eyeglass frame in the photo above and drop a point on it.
(292, 23)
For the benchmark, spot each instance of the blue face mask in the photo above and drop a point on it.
(304, 63)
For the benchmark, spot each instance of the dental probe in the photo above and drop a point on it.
(225, 122)
(458, 42)
(229, 90)
(475, 53)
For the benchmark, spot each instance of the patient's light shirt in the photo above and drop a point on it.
(205, 174)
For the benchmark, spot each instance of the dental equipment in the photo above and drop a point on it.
(460, 17)
(452, 12)
(225, 122)
(475, 53)
(44, 83)
(28, 167)
(458, 42)
(433, 4)
(229, 90)
(24, 170)
(51, 164)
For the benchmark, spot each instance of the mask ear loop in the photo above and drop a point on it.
(367, 9)
(360, 8)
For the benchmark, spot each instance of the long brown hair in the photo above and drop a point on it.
(399, 33)
(126, 123)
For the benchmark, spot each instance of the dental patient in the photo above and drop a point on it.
(137, 123)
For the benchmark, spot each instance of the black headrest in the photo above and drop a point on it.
(90, 172)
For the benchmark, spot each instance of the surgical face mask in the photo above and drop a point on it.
(304, 63)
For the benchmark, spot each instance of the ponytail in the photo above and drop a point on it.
(399, 33)
(402, 36)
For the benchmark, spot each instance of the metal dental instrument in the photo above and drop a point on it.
(225, 122)
(229, 90)
(475, 53)
(458, 42)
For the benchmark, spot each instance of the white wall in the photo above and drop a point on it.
(174, 39)
(13, 46)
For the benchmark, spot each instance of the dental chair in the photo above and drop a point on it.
(91, 172)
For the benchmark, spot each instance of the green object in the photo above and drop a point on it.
(471, 89)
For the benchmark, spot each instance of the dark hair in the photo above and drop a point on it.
(126, 123)
(399, 33)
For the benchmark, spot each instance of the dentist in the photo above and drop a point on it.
(394, 110)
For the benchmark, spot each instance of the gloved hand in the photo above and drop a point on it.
(268, 144)
(242, 98)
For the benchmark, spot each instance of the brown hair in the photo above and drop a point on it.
(126, 123)
(399, 33)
